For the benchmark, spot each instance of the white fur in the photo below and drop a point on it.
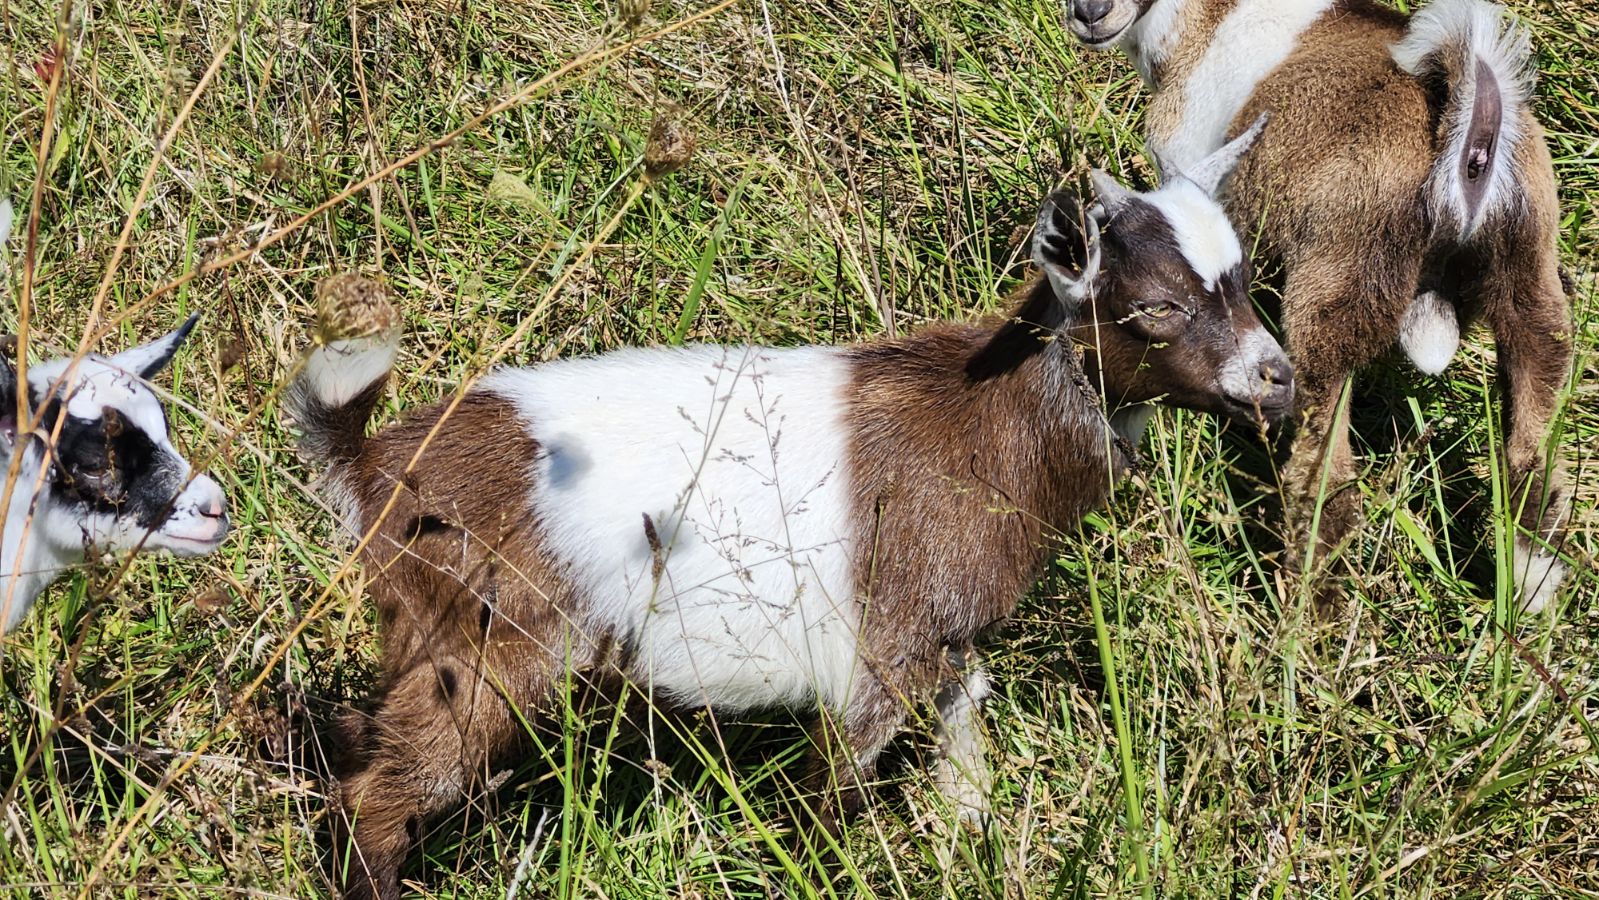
(1203, 232)
(5, 221)
(961, 772)
(28, 562)
(1252, 40)
(1240, 375)
(1130, 422)
(98, 383)
(1150, 40)
(738, 457)
(1537, 573)
(338, 370)
(1430, 332)
(1471, 31)
(42, 537)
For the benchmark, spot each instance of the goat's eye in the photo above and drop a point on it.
(1157, 310)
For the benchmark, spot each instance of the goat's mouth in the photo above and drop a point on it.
(1103, 34)
(1267, 410)
(197, 536)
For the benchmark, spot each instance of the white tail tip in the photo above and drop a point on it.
(1538, 574)
(1430, 333)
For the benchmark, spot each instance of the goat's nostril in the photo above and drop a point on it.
(1276, 374)
(1089, 12)
(213, 508)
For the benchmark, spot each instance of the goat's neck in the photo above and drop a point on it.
(1124, 423)
(1154, 41)
(1070, 405)
(1204, 60)
(29, 560)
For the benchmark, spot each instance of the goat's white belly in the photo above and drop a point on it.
(738, 457)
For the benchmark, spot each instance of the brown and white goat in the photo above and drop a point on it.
(736, 528)
(1403, 185)
(96, 473)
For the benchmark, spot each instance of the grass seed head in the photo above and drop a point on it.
(632, 12)
(349, 306)
(671, 144)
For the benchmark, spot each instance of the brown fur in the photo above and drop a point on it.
(474, 617)
(969, 446)
(1336, 186)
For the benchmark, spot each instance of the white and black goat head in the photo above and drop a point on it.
(97, 471)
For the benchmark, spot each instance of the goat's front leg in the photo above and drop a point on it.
(1322, 504)
(845, 746)
(961, 771)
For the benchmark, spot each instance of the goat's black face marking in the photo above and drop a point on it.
(112, 467)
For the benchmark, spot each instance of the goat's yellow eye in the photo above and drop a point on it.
(1157, 310)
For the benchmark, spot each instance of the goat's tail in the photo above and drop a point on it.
(357, 337)
(1482, 65)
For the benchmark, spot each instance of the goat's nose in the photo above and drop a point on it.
(209, 502)
(1276, 383)
(1089, 12)
(1277, 373)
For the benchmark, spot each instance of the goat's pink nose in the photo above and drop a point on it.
(210, 501)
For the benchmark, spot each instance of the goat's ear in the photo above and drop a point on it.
(8, 404)
(1066, 247)
(1213, 171)
(146, 360)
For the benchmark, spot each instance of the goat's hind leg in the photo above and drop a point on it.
(439, 727)
(1531, 318)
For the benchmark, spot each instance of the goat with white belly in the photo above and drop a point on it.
(820, 528)
(1403, 185)
(96, 473)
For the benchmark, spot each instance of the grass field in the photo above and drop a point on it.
(1169, 720)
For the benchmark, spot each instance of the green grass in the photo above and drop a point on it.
(863, 166)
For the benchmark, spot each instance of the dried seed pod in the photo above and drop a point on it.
(274, 165)
(213, 600)
(671, 144)
(349, 306)
(232, 352)
(632, 12)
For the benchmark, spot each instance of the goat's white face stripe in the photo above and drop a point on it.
(737, 456)
(100, 384)
(1252, 40)
(1203, 233)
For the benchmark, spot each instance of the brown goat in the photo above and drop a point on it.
(1403, 185)
(824, 529)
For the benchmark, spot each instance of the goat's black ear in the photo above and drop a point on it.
(146, 360)
(1066, 249)
(8, 403)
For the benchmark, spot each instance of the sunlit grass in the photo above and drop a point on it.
(862, 166)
